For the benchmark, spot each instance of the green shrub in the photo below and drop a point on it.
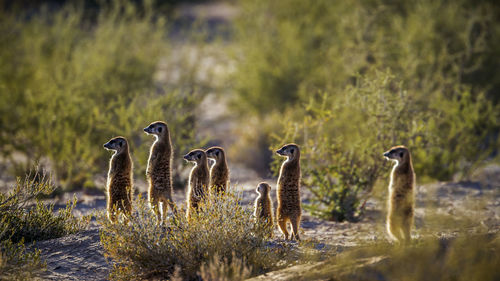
(329, 54)
(343, 137)
(222, 228)
(24, 218)
(291, 49)
(18, 264)
(68, 83)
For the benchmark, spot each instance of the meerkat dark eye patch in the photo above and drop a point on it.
(217, 153)
(401, 154)
(198, 156)
(292, 150)
(160, 129)
(120, 144)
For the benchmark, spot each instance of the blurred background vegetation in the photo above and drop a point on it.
(346, 80)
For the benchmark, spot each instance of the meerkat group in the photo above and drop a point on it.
(203, 180)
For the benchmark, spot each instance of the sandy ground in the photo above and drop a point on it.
(80, 256)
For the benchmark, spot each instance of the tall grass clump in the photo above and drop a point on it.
(76, 78)
(466, 257)
(221, 232)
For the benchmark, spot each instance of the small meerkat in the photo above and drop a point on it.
(119, 183)
(400, 202)
(263, 205)
(288, 191)
(159, 170)
(219, 172)
(199, 179)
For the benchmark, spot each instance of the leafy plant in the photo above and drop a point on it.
(23, 217)
(76, 81)
(221, 228)
(16, 263)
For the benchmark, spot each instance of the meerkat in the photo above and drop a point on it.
(119, 183)
(288, 191)
(219, 172)
(263, 204)
(400, 202)
(199, 179)
(159, 170)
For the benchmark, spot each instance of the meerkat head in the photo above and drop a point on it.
(291, 151)
(215, 153)
(196, 156)
(117, 144)
(158, 129)
(263, 188)
(398, 154)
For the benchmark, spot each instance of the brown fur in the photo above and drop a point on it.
(199, 180)
(120, 182)
(288, 191)
(219, 173)
(159, 170)
(263, 204)
(400, 202)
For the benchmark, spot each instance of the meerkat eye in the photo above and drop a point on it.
(198, 156)
(401, 154)
(160, 129)
(292, 150)
(120, 143)
(217, 153)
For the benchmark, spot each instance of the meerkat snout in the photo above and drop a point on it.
(116, 144)
(194, 156)
(289, 150)
(396, 154)
(156, 128)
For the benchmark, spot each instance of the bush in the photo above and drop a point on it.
(18, 264)
(222, 228)
(330, 54)
(77, 80)
(343, 137)
(21, 220)
(292, 49)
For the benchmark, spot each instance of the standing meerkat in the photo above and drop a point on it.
(159, 170)
(288, 191)
(219, 173)
(119, 183)
(199, 179)
(400, 203)
(263, 205)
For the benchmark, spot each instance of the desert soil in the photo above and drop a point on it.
(81, 257)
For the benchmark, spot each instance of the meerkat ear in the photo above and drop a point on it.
(160, 129)
(120, 143)
(217, 152)
(401, 154)
(292, 150)
(198, 156)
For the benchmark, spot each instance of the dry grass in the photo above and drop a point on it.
(222, 232)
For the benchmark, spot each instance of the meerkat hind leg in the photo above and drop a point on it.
(295, 227)
(155, 205)
(282, 225)
(394, 230)
(406, 230)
